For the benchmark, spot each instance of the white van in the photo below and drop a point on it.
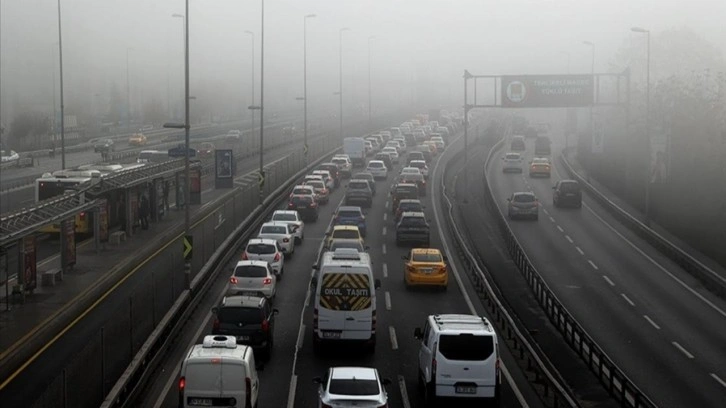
(458, 357)
(345, 299)
(219, 373)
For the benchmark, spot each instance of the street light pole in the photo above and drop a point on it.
(262, 88)
(592, 103)
(128, 94)
(252, 82)
(647, 124)
(340, 77)
(184, 29)
(305, 85)
(370, 107)
(187, 193)
(62, 109)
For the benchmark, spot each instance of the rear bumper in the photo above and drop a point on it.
(450, 391)
(425, 279)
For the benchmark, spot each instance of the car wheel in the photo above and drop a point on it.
(429, 395)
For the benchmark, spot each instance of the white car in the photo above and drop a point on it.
(512, 163)
(327, 178)
(421, 165)
(303, 189)
(352, 387)
(252, 277)
(438, 141)
(401, 143)
(378, 169)
(281, 232)
(344, 164)
(392, 152)
(268, 250)
(443, 130)
(8, 156)
(291, 217)
(410, 170)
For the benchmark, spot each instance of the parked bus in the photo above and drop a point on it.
(61, 182)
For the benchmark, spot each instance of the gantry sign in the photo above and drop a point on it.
(547, 91)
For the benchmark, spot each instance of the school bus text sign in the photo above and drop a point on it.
(547, 91)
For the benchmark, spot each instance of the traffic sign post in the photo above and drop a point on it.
(188, 247)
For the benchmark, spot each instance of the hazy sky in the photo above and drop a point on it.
(421, 40)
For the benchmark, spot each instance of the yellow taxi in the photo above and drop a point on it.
(540, 166)
(425, 267)
(137, 139)
(343, 232)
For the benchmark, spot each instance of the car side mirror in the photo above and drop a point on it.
(275, 311)
(317, 380)
(418, 333)
(215, 310)
(386, 381)
(377, 283)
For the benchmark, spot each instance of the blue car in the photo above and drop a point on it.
(350, 215)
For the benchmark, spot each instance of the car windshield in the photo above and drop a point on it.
(273, 229)
(512, 156)
(239, 315)
(413, 221)
(569, 187)
(353, 387)
(284, 217)
(375, 165)
(340, 161)
(524, 198)
(250, 271)
(426, 257)
(301, 200)
(349, 214)
(316, 184)
(346, 234)
(466, 346)
(406, 190)
(261, 249)
(358, 185)
(418, 165)
(413, 207)
(301, 191)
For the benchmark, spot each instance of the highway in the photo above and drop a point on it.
(659, 325)
(286, 380)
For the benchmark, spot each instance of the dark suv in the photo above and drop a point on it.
(250, 318)
(413, 227)
(359, 191)
(349, 215)
(402, 191)
(567, 193)
(408, 205)
(305, 205)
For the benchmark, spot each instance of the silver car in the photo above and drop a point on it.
(523, 205)
(359, 387)
(252, 277)
(512, 162)
(282, 233)
(291, 217)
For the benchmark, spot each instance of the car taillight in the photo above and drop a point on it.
(373, 323)
(244, 256)
(277, 257)
(267, 281)
(215, 324)
(433, 368)
(290, 205)
(248, 392)
(286, 240)
(83, 215)
(182, 384)
(313, 205)
(265, 325)
(233, 280)
(315, 319)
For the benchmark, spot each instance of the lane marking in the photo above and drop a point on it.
(404, 392)
(552, 219)
(300, 336)
(567, 237)
(659, 266)
(385, 270)
(544, 210)
(627, 299)
(386, 206)
(652, 323)
(580, 250)
(383, 249)
(560, 229)
(291, 393)
(388, 301)
(683, 350)
(608, 280)
(385, 216)
(715, 377)
(593, 264)
(392, 335)
(384, 231)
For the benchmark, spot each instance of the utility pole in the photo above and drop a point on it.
(370, 106)
(305, 85)
(62, 107)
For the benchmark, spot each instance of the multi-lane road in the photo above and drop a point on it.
(652, 318)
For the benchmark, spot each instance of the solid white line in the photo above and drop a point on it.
(520, 398)
(567, 237)
(385, 270)
(560, 228)
(300, 336)
(291, 393)
(608, 280)
(552, 219)
(627, 299)
(683, 350)
(384, 231)
(580, 250)
(385, 216)
(383, 249)
(392, 335)
(593, 264)
(667, 272)
(404, 392)
(388, 301)
(715, 377)
(652, 323)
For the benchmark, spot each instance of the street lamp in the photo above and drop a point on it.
(647, 122)
(592, 103)
(252, 82)
(128, 93)
(262, 94)
(305, 85)
(340, 75)
(370, 107)
(184, 43)
(62, 110)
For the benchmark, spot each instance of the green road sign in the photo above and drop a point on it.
(188, 243)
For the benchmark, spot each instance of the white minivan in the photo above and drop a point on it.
(219, 373)
(458, 357)
(345, 299)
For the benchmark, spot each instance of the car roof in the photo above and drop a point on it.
(243, 301)
(375, 161)
(350, 373)
(345, 227)
(409, 201)
(406, 185)
(458, 323)
(275, 223)
(292, 212)
(305, 186)
(363, 174)
(431, 251)
(417, 214)
(349, 208)
(252, 262)
(267, 241)
(523, 193)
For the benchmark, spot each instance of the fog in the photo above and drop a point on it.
(418, 55)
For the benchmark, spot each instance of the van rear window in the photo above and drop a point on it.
(466, 347)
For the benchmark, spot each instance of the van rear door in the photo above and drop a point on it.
(346, 300)
(468, 364)
(203, 383)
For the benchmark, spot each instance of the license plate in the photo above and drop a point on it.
(465, 389)
(243, 338)
(426, 270)
(202, 402)
(331, 335)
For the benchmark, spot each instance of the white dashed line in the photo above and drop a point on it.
(388, 301)
(591, 264)
(384, 231)
(552, 219)
(385, 270)
(715, 377)
(560, 228)
(684, 351)
(291, 392)
(580, 250)
(627, 299)
(404, 392)
(386, 204)
(392, 335)
(383, 249)
(385, 216)
(544, 210)
(652, 323)
(608, 280)
(567, 237)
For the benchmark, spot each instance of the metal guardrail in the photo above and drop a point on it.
(710, 278)
(551, 385)
(615, 381)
